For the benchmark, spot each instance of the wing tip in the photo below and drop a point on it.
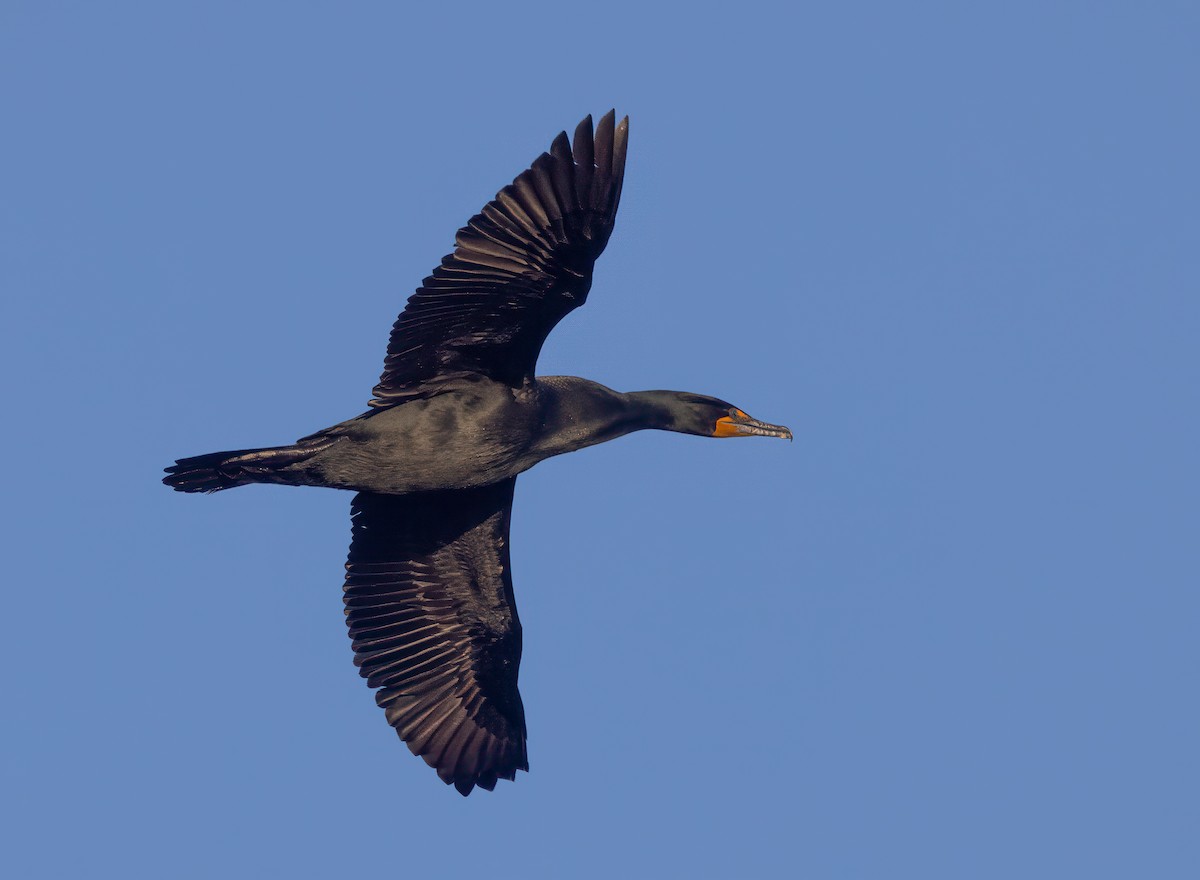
(560, 148)
(484, 779)
(620, 147)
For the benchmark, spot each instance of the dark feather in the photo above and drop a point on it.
(518, 267)
(430, 608)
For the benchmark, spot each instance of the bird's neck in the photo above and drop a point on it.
(654, 409)
(577, 413)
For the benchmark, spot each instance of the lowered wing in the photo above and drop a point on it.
(429, 604)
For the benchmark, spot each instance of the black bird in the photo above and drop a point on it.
(457, 414)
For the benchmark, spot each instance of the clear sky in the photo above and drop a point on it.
(949, 632)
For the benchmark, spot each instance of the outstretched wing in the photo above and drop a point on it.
(518, 267)
(429, 603)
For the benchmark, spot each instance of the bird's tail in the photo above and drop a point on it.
(224, 470)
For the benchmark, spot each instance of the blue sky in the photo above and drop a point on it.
(949, 632)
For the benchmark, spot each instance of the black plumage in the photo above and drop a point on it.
(518, 267)
(429, 603)
(457, 414)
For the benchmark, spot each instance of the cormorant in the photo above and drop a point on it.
(458, 413)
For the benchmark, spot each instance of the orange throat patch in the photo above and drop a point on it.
(726, 427)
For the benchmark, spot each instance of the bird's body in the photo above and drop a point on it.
(471, 432)
(457, 415)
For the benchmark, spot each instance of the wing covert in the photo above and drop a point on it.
(429, 605)
(517, 268)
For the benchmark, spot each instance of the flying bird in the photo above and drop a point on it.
(457, 414)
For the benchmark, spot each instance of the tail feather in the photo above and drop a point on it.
(225, 470)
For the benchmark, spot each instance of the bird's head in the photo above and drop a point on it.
(713, 417)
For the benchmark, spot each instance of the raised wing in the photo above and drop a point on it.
(429, 604)
(518, 267)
